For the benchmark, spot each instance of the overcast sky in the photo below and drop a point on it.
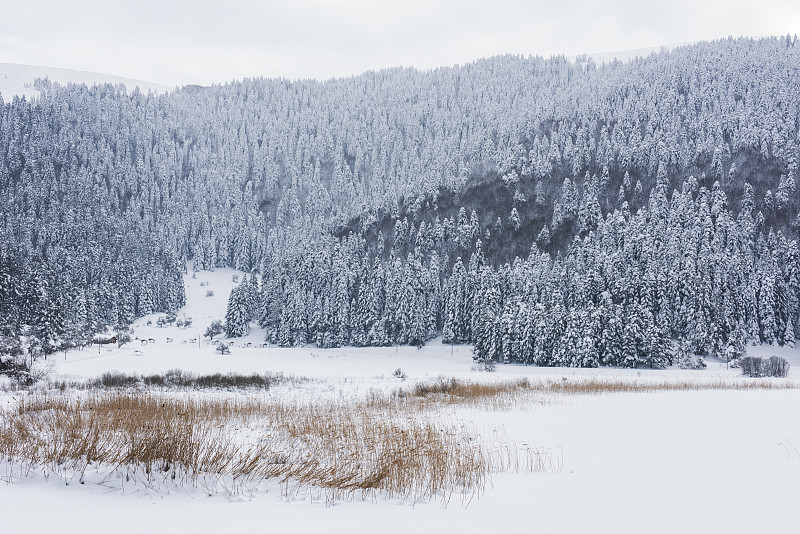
(194, 41)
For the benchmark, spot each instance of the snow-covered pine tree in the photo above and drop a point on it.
(237, 321)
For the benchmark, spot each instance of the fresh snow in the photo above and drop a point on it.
(701, 461)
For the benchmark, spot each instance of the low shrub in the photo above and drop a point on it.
(17, 369)
(760, 367)
(178, 379)
(115, 379)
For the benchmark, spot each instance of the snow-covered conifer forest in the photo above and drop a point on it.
(549, 212)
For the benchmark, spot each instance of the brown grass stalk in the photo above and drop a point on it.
(400, 445)
(342, 448)
(509, 393)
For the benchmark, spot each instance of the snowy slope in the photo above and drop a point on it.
(16, 79)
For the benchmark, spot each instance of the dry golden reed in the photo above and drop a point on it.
(398, 445)
(455, 391)
(342, 448)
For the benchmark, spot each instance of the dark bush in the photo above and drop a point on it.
(776, 366)
(17, 370)
(178, 379)
(236, 381)
(759, 367)
(154, 380)
(115, 379)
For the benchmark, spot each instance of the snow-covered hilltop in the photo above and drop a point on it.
(18, 80)
(628, 55)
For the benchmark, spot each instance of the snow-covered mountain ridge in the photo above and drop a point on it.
(18, 80)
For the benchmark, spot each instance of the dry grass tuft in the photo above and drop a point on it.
(452, 391)
(497, 394)
(341, 448)
(516, 393)
(597, 385)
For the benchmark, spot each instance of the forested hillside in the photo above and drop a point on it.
(549, 212)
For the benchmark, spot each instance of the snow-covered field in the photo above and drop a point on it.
(684, 461)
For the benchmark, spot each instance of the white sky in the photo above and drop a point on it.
(195, 41)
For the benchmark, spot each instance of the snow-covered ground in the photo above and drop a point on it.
(680, 462)
(685, 461)
(16, 79)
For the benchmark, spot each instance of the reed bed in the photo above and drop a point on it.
(405, 444)
(509, 393)
(598, 385)
(342, 449)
